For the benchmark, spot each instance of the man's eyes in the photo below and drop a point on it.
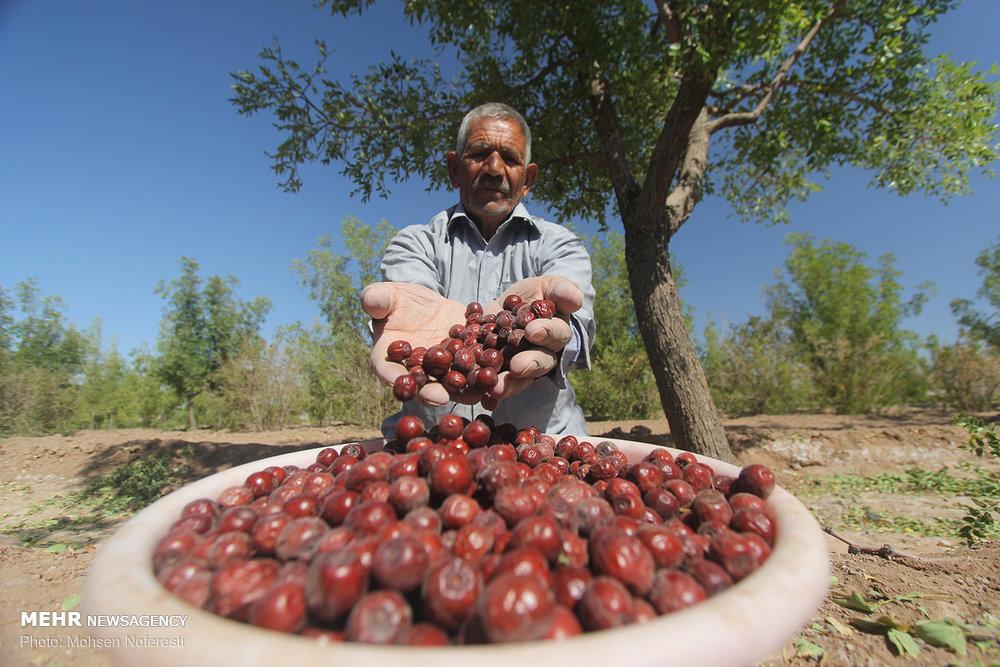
(483, 155)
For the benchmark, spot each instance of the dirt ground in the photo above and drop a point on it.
(48, 536)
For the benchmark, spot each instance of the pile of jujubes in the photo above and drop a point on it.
(468, 533)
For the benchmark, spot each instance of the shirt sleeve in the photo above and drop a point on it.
(409, 258)
(566, 256)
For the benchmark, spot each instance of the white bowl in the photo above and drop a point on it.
(744, 623)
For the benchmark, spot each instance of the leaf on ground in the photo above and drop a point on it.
(72, 601)
(806, 649)
(57, 549)
(855, 601)
(890, 622)
(904, 643)
(941, 634)
(839, 627)
(818, 628)
(866, 625)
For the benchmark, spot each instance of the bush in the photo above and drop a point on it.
(261, 387)
(965, 375)
(754, 370)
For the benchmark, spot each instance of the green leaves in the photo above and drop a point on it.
(806, 649)
(941, 634)
(903, 642)
(856, 602)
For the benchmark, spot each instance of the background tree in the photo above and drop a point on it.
(755, 369)
(42, 356)
(844, 318)
(335, 355)
(201, 329)
(620, 384)
(627, 98)
(982, 326)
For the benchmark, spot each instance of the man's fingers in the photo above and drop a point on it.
(433, 393)
(377, 300)
(531, 364)
(551, 333)
(563, 292)
(508, 385)
(387, 371)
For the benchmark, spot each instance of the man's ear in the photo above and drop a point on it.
(530, 174)
(451, 158)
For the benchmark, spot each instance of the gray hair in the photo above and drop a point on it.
(499, 111)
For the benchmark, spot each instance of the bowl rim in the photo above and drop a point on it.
(760, 613)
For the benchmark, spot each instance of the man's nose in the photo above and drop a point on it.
(494, 163)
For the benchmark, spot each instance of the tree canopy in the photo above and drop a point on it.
(848, 81)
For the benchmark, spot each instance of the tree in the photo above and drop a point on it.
(983, 326)
(334, 357)
(649, 107)
(844, 318)
(619, 384)
(755, 370)
(201, 329)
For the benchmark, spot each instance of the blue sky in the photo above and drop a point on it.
(119, 153)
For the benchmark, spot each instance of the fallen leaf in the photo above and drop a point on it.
(856, 602)
(904, 643)
(806, 649)
(942, 634)
(72, 601)
(839, 627)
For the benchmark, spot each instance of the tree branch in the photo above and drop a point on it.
(612, 141)
(885, 551)
(669, 21)
(748, 117)
(687, 193)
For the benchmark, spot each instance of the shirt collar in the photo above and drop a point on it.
(519, 213)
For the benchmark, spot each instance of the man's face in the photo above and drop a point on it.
(491, 174)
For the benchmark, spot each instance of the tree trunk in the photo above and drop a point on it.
(687, 402)
(192, 424)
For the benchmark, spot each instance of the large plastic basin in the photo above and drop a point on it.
(745, 623)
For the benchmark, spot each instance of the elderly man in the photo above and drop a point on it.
(482, 249)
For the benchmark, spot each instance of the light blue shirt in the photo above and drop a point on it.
(450, 256)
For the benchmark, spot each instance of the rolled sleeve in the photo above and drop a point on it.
(568, 257)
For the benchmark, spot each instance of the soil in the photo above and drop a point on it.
(49, 535)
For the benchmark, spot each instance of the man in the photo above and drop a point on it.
(482, 249)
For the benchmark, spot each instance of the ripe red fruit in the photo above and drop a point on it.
(712, 577)
(564, 624)
(449, 591)
(458, 510)
(624, 558)
(673, 590)
(335, 582)
(379, 618)
(301, 505)
(449, 475)
(260, 483)
(409, 427)
(437, 361)
(665, 545)
(240, 583)
(455, 382)
(336, 504)
(711, 505)
(754, 521)
(511, 302)
(538, 532)
(408, 492)
(297, 539)
(733, 551)
(605, 604)
(451, 425)
(281, 608)
(400, 563)
(515, 608)
(477, 433)
(398, 351)
(542, 309)
(404, 388)
(755, 479)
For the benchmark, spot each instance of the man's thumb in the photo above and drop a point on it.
(376, 299)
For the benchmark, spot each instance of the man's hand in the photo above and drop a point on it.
(548, 336)
(421, 316)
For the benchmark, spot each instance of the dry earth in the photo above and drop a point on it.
(48, 537)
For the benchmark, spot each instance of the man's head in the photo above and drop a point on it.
(491, 164)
